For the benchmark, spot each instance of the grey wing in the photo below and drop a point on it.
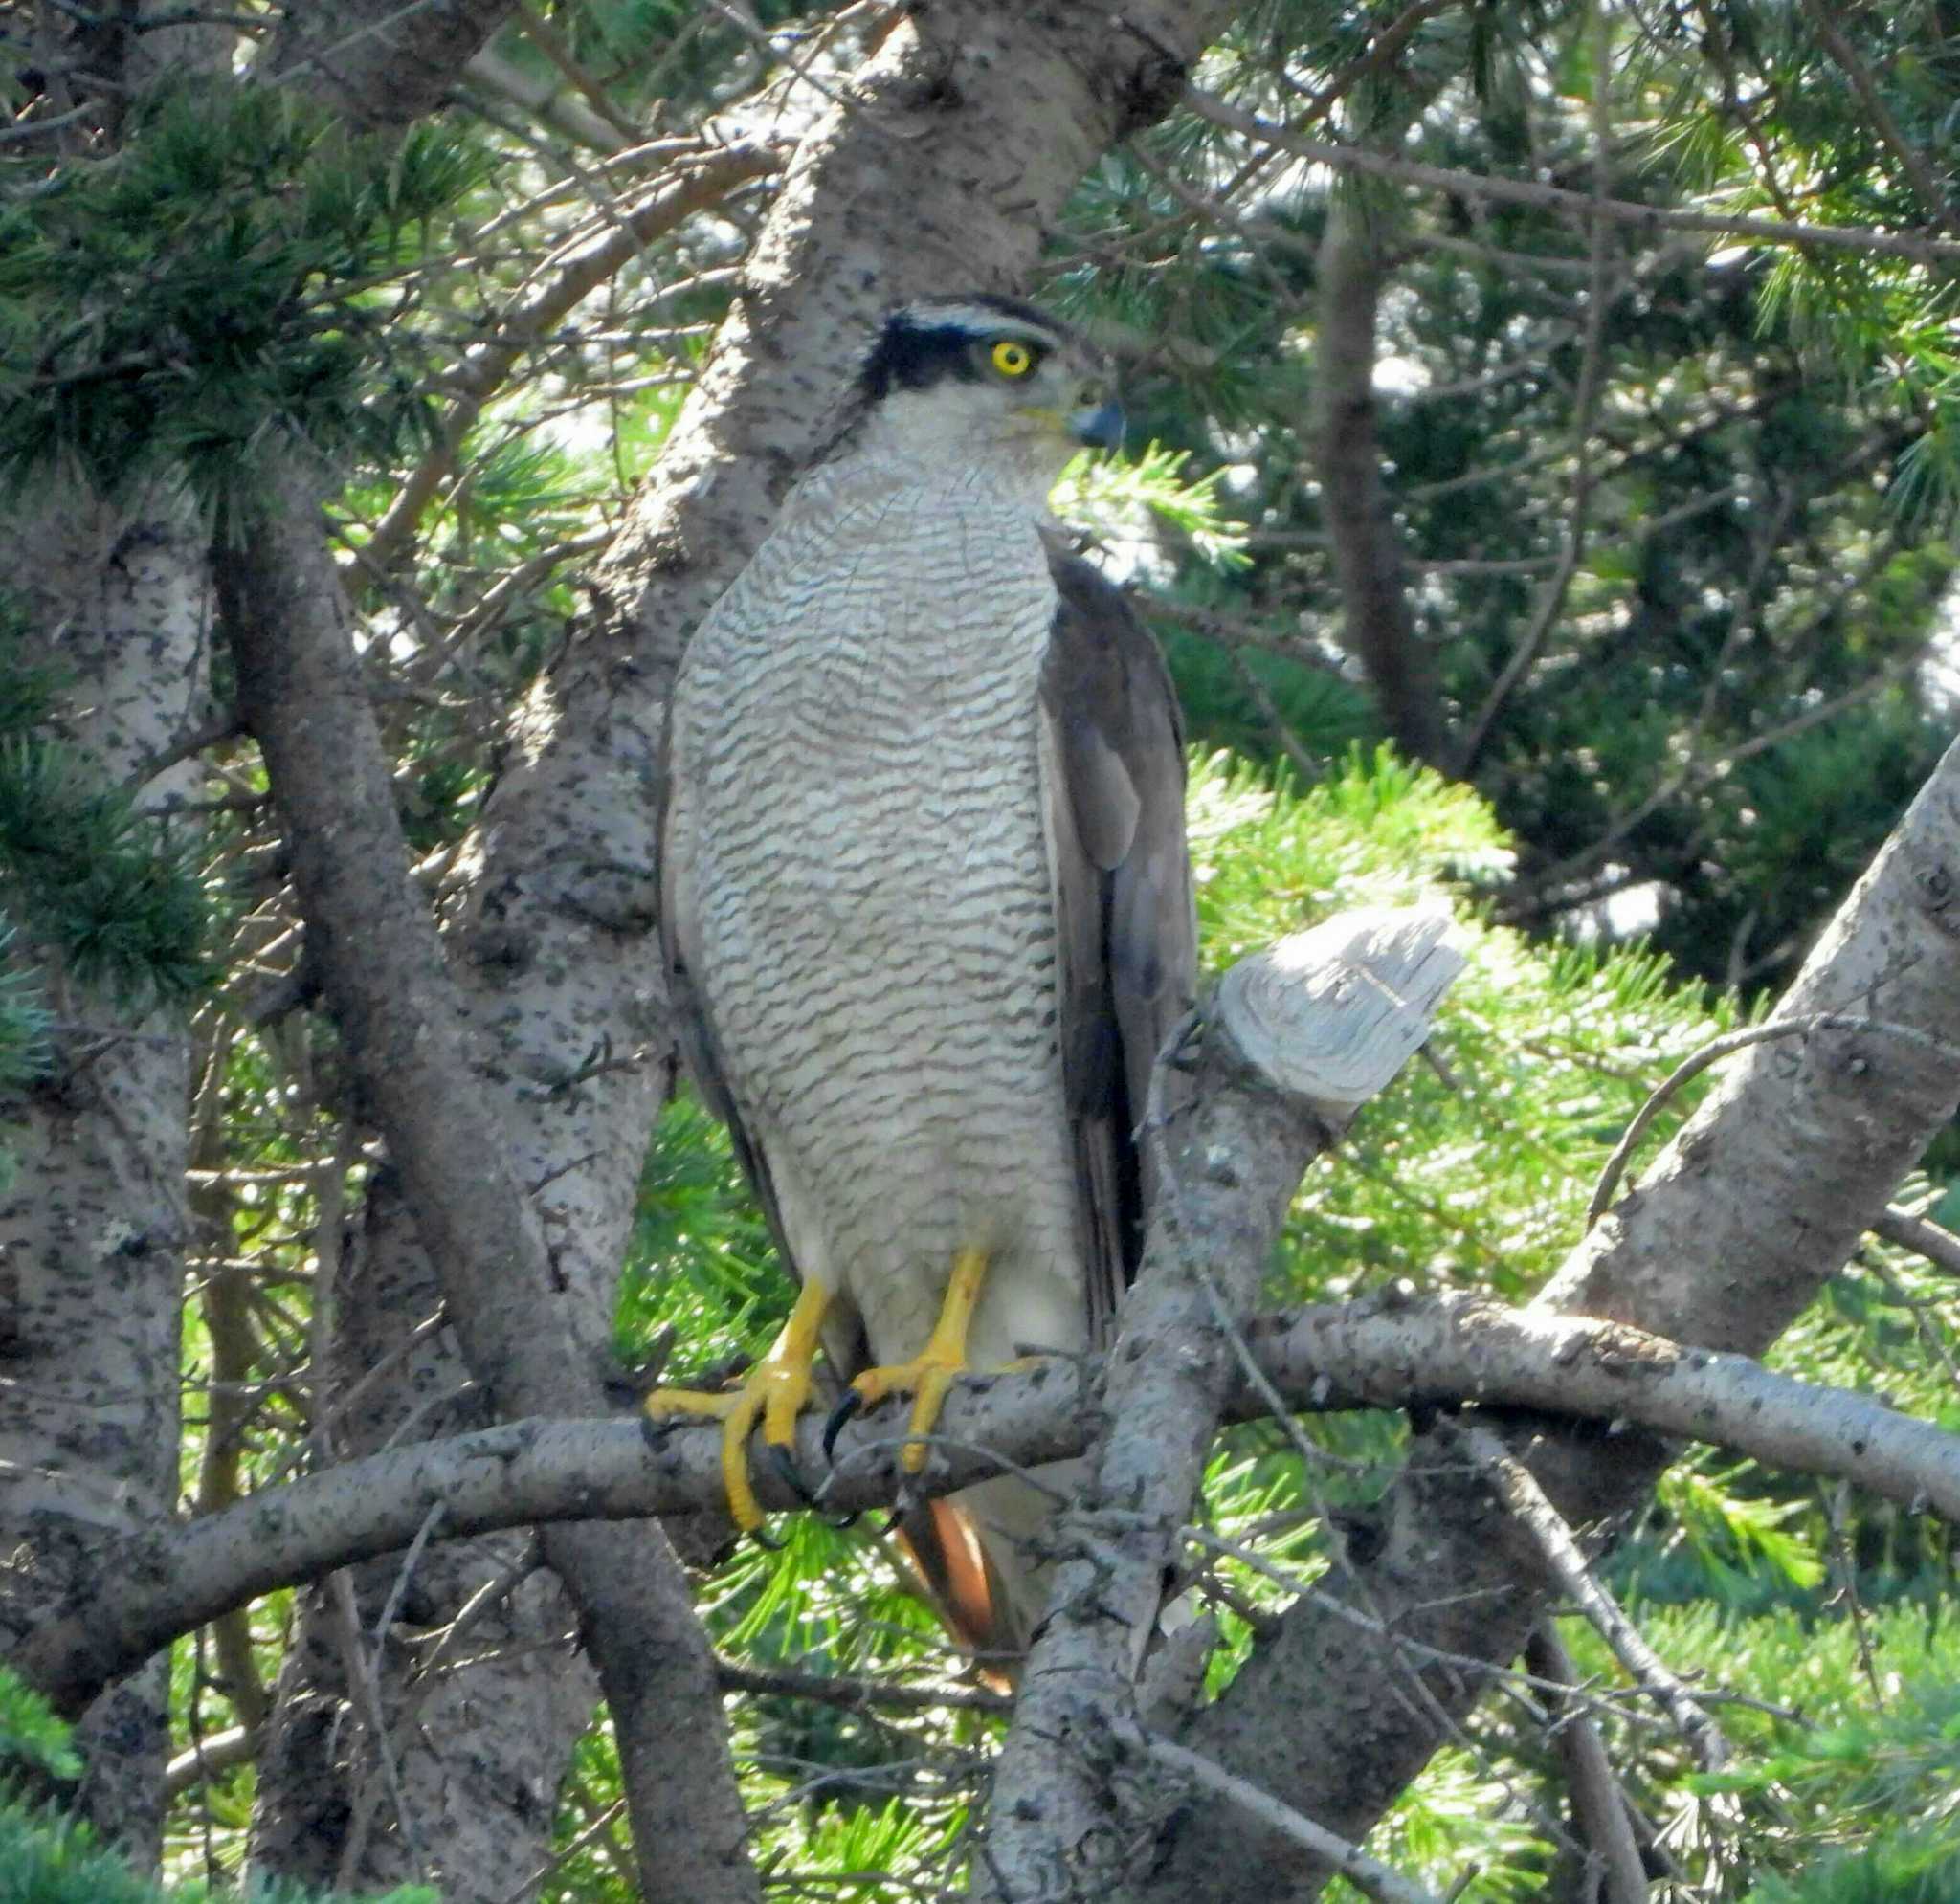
(693, 1025)
(1113, 788)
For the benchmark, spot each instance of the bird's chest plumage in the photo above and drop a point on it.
(856, 762)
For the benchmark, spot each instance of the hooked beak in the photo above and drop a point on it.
(1100, 426)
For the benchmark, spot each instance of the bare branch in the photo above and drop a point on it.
(1368, 1876)
(1574, 1573)
(700, 176)
(1391, 1350)
(1377, 626)
(1328, 1018)
(1580, 205)
(1911, 160)
(1758, 1201)
(382, 965)
(1939, 1246)
(1599, 1807)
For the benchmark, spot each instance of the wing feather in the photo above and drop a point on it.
(679, 957)
(1112, 758)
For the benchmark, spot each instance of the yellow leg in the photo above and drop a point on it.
(928, 1375)
(777, 1389)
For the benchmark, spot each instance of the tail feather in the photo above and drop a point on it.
(944, 1548)
(982, 1560)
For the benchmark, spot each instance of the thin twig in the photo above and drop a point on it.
(1910, 158)
(1717, 1048)
(1599, 296)
(1528, 1504)
(1366, 1874)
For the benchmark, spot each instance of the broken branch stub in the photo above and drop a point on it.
(1331, 1015)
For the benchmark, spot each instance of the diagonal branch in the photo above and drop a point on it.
(1569, 1568)
(1599, 1806)
(1368, 1876)
(383, 968)
(702, 176)
(1911, 160)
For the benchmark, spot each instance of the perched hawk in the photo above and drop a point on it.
(926, 906)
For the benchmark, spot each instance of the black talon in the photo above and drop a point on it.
(848, 1404)
(785, 1463)
(763, 1540)
(840, 1521)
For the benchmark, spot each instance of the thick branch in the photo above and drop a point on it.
(1377, 627)
(381, 63)
(945, 154)
(1227, 1169)
(1388, 1352)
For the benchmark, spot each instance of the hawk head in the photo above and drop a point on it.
(988, 379)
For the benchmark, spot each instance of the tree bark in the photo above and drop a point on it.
(474, 1751)
(93, 1223)
(1756, 1203)
(384, 972)
(1323, 1020)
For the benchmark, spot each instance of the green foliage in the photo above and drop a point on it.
(1114, 494)
(1897, 1868)
(219, 280)
(32, 681)
(104, 884)
(30, 1735)
(48, 1858)
(1775, 434)
(25, 1021)
(701, 1262)
(1726, 714)
(1845, 1724)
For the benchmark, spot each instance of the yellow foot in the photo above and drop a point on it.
(775, 1391)
(929, 1375)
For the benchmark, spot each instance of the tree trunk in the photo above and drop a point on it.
(426, 1751)
(93, 1225)
(1377, 625)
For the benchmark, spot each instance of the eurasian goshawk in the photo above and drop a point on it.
(926, 906)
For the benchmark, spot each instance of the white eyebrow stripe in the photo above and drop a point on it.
(977, 321)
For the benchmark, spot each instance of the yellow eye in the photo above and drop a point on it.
(1012, 360)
